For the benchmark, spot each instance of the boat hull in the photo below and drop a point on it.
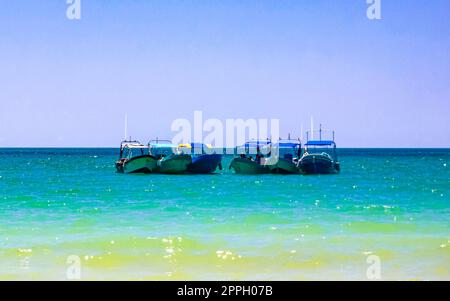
(205, 164)
(140, 164)
(318, 164)
(284, 166)
(246, 166)
(174, 164)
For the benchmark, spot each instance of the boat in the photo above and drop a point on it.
(170, 159)
(319, 156)
(134, 159)
(285, 156)
(204, 159)
(244, 163)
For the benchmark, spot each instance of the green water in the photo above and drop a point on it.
(394, 204)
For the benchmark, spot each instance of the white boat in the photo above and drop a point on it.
(134, 158)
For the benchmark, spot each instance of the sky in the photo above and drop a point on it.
(377, 83)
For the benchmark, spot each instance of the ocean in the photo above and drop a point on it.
(388, 209)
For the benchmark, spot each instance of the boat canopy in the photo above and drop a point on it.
(194, 145)
(256, 143)
(134, 145)
(162, 144)
(320, 143)
(287, 144)
(287, 149)
(162, 148)
(127, 147)
(254, 146)
(196, 148)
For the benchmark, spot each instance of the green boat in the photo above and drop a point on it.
(133, 158)
(244, 163)
(170, 159)
(247, 166)
(284, 157)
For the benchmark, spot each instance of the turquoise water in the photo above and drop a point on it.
(60, 202)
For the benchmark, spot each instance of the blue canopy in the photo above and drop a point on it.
(197, 144)
(163, 145)
(256, 143)
(319, 143)
(287, 144)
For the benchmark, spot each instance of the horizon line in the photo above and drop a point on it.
(344, 147)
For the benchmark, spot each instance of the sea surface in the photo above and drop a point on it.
(66, 213)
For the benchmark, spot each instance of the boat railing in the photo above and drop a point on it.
(160, 141)
(286, 148)
(131, 144)
(253, 147)
(320, 149)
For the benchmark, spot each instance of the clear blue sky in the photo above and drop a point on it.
(377, 83)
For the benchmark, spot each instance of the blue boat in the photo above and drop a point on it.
(319, 157)
(204, 159)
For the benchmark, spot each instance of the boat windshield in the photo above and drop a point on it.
(162, 148)
(254, 147)
(196, 148)
(321, 147)
(129, 149)
(288, 149)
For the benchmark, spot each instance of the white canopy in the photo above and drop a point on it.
(134, 145)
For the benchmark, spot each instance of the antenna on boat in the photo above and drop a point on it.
(126, 126)
(320, 132)
(289, 136)
(301, 132)
(312, 128)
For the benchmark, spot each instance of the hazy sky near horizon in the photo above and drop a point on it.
(383, 83)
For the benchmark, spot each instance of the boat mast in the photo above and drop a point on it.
(126, 126)
(312, 128)
(301, 132)
(320, 132)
